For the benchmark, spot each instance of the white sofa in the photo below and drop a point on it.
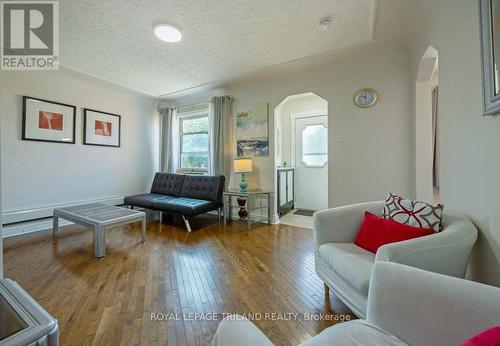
(345, 268)
(406, 306)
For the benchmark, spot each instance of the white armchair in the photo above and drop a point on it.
(406, 306)
(346, 268)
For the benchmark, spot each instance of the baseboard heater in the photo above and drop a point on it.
(44, 212)
(39, 219)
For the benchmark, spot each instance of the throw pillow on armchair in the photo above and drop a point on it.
(376, 231)
(413, 213)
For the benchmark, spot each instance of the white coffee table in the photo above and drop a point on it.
(100, 217)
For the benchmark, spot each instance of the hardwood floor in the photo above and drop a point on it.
(214, 269)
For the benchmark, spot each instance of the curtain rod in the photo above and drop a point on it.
(186, 106)
(194, 104)
(200, 103)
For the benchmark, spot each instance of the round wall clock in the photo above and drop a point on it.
(365, 98)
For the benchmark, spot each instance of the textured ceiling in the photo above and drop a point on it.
(114, 40)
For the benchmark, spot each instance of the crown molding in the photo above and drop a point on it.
(70, 69)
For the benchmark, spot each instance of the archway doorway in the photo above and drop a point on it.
(301, 157)
(426, 127)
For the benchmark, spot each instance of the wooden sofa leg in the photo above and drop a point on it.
(161, 217)
(327, 289)
(186, 222)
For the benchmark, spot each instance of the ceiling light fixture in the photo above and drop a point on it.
(167, 33)
(324, 23)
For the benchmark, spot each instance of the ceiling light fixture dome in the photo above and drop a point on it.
(167, 33)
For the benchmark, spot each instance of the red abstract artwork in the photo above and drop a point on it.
(102, 128)
(50, 120)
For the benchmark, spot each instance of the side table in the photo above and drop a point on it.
(249, 196)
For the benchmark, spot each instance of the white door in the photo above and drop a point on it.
(311, 163)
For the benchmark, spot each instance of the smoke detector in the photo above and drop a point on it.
(324, 23)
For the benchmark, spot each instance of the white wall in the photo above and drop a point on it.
(38, 174)
(374, 157)
(469, 142)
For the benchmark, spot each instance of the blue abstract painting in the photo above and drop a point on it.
(252, 131)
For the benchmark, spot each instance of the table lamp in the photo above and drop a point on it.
(243, 166)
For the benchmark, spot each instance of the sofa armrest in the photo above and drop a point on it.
(424, 308)
(341, 225)
(236, 330)
(446, 252)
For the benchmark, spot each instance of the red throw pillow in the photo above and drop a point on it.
(376, 231)
(488, 337)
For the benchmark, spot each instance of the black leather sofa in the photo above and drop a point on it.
(187, 195)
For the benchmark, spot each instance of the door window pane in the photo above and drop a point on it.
(315, 145)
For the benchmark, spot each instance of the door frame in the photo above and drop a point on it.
(298, 115)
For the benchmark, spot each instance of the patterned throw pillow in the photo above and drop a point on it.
(413, 213)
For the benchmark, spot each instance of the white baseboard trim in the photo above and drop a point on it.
(40, 219)
(43, 212)
(45, 224)
(30, 227)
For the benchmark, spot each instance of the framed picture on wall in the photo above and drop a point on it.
(490, 55)
(48, 121)
(252, 131)
(101, 128)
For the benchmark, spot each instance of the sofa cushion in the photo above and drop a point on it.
(349, 261)
(167, 184)
(208, 187)
(144, 200)
(185, 206)
(354, 333)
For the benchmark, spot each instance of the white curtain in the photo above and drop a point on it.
(221, 130)
(167, 160)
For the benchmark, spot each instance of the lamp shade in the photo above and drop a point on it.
(242, 165)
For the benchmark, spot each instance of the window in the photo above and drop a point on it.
(194, 143)
(314, 146)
